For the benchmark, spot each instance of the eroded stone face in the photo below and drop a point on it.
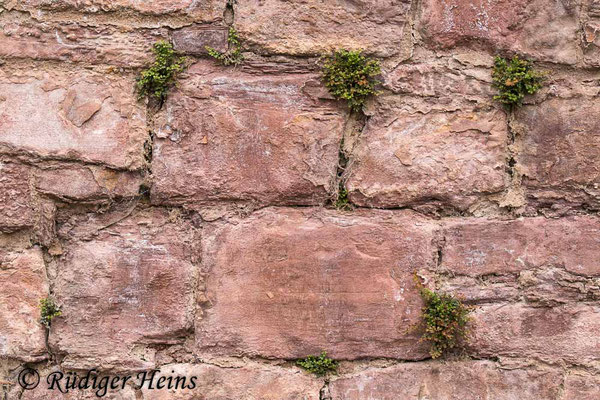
(556, 334)
(205, 10)
(135, 280)
(247, 382)
(24, 283)
(450, 380)
(286, 283)
(543, 29)
(231, 136)
(482, 247)
(406, 157)
(71, 115)
(305, 27)
(16, 210)
(560, 153)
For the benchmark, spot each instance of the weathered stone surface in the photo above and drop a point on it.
(482, 247)
(559, 334)
(76, 42)
(252, 381)
(582, 386)
(406, 157)
(71, 115)
(15, 197)
(591, 33)
(287, 283)
(543, 29)
(193, 40)
(227, 135)
(205, 10)
(315, 27)
(560, 153)
(87, 183)
(24, 283)
(450, 380)
(132, 276)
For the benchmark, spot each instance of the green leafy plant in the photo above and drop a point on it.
(318, 365)
(48, 310)
(445, 320)
(349, 75)
(156, 80)
(233, 55)
(342, 202)
(514, 78)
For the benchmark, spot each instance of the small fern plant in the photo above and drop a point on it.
(156, 80)
(233, 55)
(444, 319)
(48, 310)
(318, 365)
(350, 75)
(514, 78)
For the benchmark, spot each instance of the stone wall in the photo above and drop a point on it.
(199, 239)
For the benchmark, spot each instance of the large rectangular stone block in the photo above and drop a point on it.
(559, 156)
(542, 29)
(75, 114)
(313, 27)
(466, 380)
(406, 157)
(16, 209)
(124, 283)
(286, 283)
(226, 135)
(479, 247)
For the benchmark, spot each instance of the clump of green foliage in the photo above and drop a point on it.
(445, 320)
(349, 75)
(514, 78)
(156, 80)
(233, 55)
(342, 202)
(48, 310)
(318, 365)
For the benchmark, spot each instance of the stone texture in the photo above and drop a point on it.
(559, 157)
(75, 115)
(312, 27)
(590, 35)
(559, 334)
(286, 283)
(480, 247)
(232, 136)
(195, 39)
(76, 42)
(582, 386)
(132, 276)
(87, 183)
(24, 283)
(205, 10)
(15, 197)
(408, 157)
(251, 381)
(542, 29)
(448, 381)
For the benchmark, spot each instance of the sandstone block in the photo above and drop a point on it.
(451, 380)
(542, 29)
(557, 334)
(15, 197)
(560, 152)
(24, 283)
(251, 381)
(123, 288)
(71, 115)
(286, 283)
(406, 158)
(305, 27)
(193, 40)
(226, 135)
(483, 247)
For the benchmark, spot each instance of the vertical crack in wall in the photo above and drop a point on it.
(324, 392)
(514, 198)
